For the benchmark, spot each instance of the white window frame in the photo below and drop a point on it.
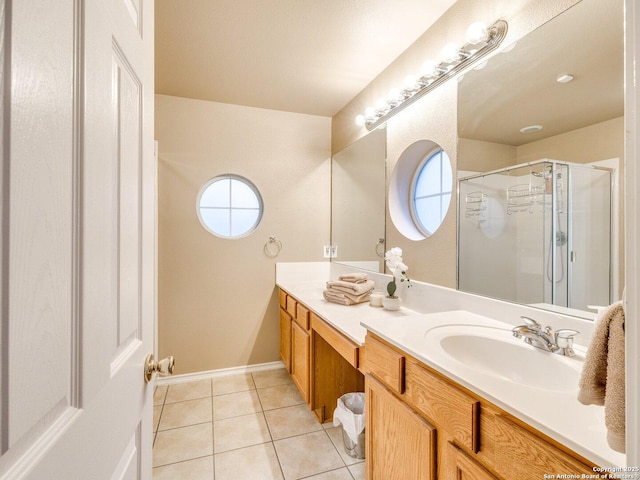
(412, 191)
(243, 180)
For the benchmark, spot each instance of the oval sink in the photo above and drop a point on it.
(495, 352)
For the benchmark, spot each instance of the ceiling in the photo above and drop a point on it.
(520, 88)
(304, 56)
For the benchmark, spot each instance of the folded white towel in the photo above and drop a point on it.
(354, 277)
(345, 298)
(350, 287)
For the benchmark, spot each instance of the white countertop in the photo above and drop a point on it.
(345, 319)
(555, 413)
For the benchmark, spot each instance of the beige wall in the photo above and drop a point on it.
(217, 305)
(434, 117)
(585, 145)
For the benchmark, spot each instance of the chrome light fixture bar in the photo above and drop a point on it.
(480, 42)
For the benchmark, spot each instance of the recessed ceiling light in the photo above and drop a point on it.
(564, 78)
(531, 129)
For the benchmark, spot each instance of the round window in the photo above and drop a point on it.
(431, 192)
(229, 206)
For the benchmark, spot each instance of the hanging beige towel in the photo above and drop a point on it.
(353, 277)
(350, 287)
(602, 381)
(345, 298)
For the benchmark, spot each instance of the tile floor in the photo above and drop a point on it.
(252, 426)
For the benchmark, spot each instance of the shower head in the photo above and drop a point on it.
(546, 174)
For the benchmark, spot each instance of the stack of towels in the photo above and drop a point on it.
(349, 289)
(602, 381)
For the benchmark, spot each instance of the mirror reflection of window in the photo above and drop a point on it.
(431, 192)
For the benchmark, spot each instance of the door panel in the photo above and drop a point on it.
(42, 212)
(78, 243)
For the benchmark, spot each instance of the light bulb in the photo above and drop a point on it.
(369, 113)
(360, 120)
(381, 104)
(477, 32)
(429, 68)
(394, 97)
(409, 83)
(450, 53)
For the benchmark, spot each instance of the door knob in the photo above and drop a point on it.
(163, 367)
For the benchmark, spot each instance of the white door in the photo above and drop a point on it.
(78, 239)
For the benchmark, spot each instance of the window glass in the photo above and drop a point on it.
(230, 206)
(431, 192)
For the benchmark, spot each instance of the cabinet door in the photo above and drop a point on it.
(285, 339)
(300, 346)
(400, 445)
(465, 467)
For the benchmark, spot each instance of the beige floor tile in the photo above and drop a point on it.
(198, 469)
(358, 471)
(232, 384)
(340, 474)
(290, 421)
(235, 404)
(181, 444)
(256, 462)
(189, 412)
(239, 432)
(279, 396)
(157, 410)
(159, 394)
(306, 455)
(335, 434)
(271, 378)
(179, 392)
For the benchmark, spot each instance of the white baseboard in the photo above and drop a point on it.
(194, 377)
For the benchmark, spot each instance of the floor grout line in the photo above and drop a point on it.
(263, 415)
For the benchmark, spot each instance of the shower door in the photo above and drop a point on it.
(589, 237)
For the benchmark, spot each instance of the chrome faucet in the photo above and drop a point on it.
(560, 342)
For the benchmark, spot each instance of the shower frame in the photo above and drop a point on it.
(555, 165)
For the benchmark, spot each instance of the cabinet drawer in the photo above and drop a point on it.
(447, 406)
(385, 364)
(283, 299)
(302, 316)
(521, 454)
(345, 347)
(291, 306)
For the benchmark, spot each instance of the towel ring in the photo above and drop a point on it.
(270, 249)
(378, 252)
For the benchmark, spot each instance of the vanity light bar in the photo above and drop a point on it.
(480, 41)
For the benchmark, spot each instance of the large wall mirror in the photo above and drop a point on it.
(540, 140)
(358, 202)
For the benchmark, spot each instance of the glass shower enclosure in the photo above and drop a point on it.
(537, 233)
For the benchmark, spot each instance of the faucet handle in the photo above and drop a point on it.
(531, 322)
(565, 335)
(564, 340)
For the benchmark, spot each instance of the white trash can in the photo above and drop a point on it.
(350, 414)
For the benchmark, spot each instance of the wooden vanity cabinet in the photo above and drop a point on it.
(476, 440)
(400, 444)
(464, 467)
(301, 349)
(285, 332)
(322, 361)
